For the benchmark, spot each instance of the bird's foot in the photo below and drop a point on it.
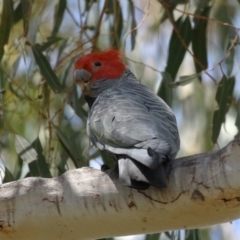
(164, 163)
(157, 157)
(105, 167)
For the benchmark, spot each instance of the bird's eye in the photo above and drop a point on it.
(97, 64)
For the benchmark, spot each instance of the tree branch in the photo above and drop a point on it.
(87, 204)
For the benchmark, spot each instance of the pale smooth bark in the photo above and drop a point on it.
(86, 203)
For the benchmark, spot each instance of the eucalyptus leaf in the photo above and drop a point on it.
(46, 70)
(58, 18)
(199, 38)
(17, 15)
(133, 25)
(231, 54)
(24, 149)
(8, 176)
(26, 12)
(110, 7)
(166, 91)
(7, 19)
(181, 32)
(192, 234)
(184, 80)
(50, 41)
(117, 25)
(237, 122)
(168, 235)
(223, 98)
(42, 165)
(107, 159)
(155, 236)
(68, 146)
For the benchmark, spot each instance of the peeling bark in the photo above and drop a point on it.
(86, 203)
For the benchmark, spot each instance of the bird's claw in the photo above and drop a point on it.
(161, 159)
(157, 157)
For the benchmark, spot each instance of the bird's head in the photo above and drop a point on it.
(97, 66)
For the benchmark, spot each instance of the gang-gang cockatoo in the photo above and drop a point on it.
(127, 120)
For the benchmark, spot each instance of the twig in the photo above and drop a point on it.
(142, 21)
(97, 32)
(182, 40)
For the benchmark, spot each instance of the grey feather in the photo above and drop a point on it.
(128, 119)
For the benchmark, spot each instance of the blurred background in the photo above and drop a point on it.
(185, 51)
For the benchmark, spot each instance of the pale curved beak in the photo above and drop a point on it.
(81, 75)
(82, 78)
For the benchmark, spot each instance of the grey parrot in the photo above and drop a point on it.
(127, 120)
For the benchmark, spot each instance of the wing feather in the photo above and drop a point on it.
(131, 116)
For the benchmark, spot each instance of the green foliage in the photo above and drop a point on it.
(26, 11)
(133, 25)
(180, 39)
(6, 24)
(237, 122)
(58, 18)
(155, 236)
(199, 39)
(223, 98)
(46, 70)
(68, 146)
(43, 114)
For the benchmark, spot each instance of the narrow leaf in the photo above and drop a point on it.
(231, 55)
(223, 98)
(42, 165)
(110, 7)
(237, 122)
(168, 11)
(59, 16)
(155, 236)
(176, 50)
(87, 5)
(107, 159)
(184, 80)
(49, 43)
(199, 39)
(6, 24)
(68, 146)
(24, 149)
(8, 176)
(178, 235)
(173, 234)
(2, 92)
(166, 91)
(118, 25)
(133, 25)
(63, 161)
(17, 15)
(46, 70)
(15, 175)
(168, 235)
(26, 11)
(192, 234)
(34, 169)
(18, 168)
(77, 103)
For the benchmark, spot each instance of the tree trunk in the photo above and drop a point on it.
(88, 204)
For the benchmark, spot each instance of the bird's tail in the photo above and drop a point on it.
(136, 175)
